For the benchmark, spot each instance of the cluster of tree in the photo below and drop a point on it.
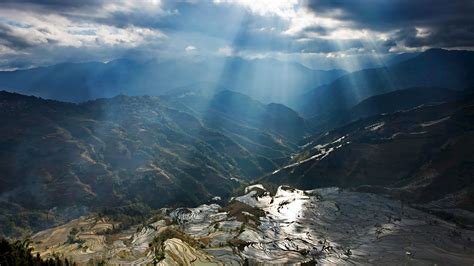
(20, 253)
(72, 237)
(18, 223)
(125, 216)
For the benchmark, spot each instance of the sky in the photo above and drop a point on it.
(322, 34)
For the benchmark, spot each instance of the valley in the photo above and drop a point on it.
(128, 149)
(350, 172)
(236, 132)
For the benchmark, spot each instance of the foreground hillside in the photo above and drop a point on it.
(74, 158)
(422, 155)
(321, 226)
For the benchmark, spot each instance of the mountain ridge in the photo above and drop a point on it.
(101, 153)
(421, 155)
(432, 68)
(78, 82)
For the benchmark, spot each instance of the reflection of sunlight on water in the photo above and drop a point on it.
(341, 227)
(288, 205)
(292, 211)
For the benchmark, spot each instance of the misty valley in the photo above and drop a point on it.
(218, 177)
(235, 132)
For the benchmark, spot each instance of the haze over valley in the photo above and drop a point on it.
(290, 132)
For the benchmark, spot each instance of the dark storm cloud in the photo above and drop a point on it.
(54, 5)
(441, 36)
(180, 16)
(10, 40)
(449, 23)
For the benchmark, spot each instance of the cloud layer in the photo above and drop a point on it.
(49, 31)
(433, 23)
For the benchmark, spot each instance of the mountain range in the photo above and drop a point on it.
(69, 157)
(421, 155)
(315, 94)
(78, 82)
(406, 135)
(434, 68)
